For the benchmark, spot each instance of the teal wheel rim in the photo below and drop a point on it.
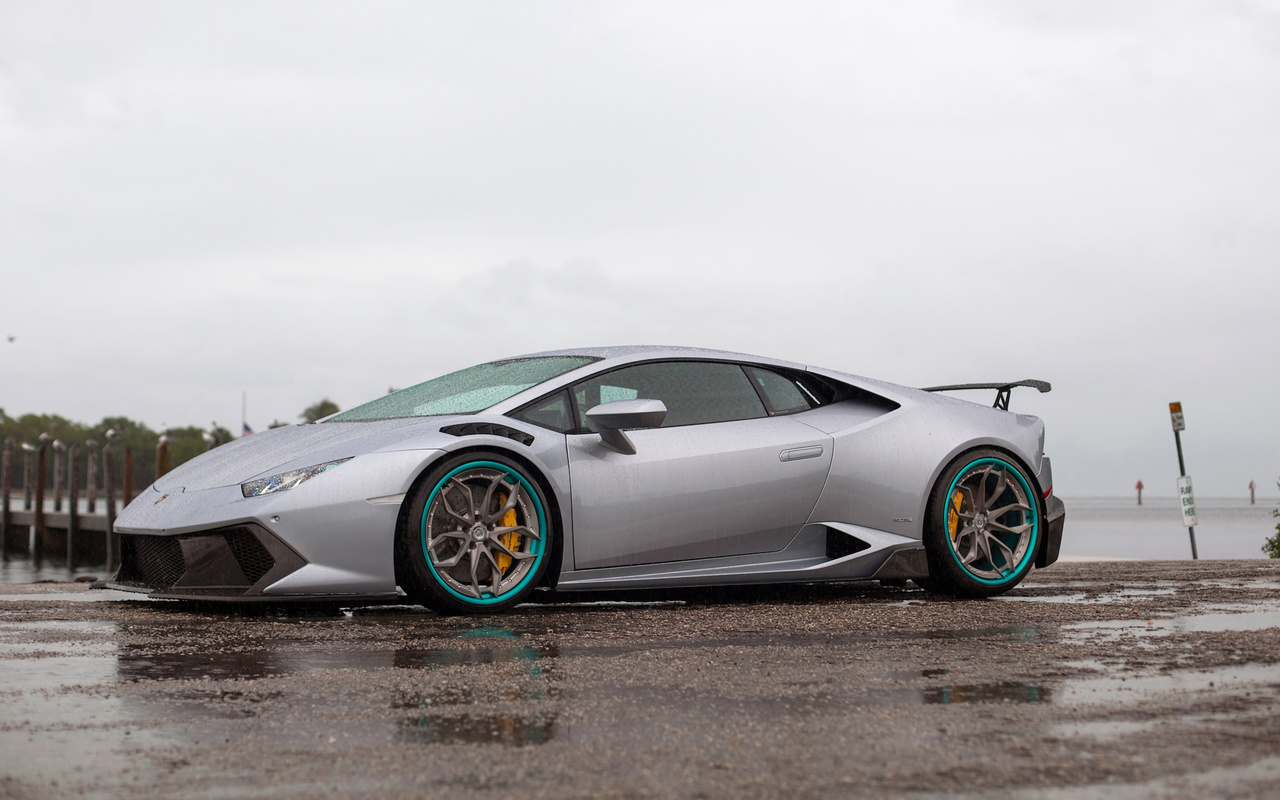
(991, 524)
(475, 554)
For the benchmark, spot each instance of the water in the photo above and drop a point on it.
(1108, 527)
(1115, 527)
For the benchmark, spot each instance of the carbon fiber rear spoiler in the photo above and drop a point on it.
(1002, 389)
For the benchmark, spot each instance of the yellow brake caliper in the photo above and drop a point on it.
(509, 540)
(953, 516)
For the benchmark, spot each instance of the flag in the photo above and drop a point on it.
(247, 430)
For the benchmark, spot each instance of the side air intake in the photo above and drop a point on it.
(488, 428)
(841, 544)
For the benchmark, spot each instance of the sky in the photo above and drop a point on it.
(298, 200)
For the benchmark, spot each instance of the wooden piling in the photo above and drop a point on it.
(92, 470)
(73, 500)
(109, 492)
(28, 475)
(37, 552)
(59, 472)
(6, 488)
(163, 458)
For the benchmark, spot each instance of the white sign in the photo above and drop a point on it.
(1188, 501)
(1175, 413)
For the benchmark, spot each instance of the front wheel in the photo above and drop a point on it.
(476, 537)
(983, 527)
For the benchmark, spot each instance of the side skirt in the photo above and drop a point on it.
(809, 557)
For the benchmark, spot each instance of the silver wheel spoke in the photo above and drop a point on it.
(516, 554)
(469, 518)
(1002, 483)
(453, 560)
(495, 573)
(475, 564)
(513, 497)
(523, 530)
(1008, 554)
(1018, 529)
(981, 499)
(997, 513)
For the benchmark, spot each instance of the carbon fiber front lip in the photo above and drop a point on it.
(265, 599)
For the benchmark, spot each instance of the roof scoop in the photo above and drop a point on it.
(1003, 390)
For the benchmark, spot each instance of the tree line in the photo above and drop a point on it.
(185, 443)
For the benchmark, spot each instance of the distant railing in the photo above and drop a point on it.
(47, 528)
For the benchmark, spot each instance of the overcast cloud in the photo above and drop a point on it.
(318, 199)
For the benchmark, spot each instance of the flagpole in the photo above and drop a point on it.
(244, 408)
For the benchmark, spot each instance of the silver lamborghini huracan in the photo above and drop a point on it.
(609, 468)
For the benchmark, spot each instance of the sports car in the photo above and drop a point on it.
(606, 469)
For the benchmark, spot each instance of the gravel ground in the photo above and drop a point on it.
(1108, 679)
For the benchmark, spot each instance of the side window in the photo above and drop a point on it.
(784, 395)
(694, 392)
(552, 412)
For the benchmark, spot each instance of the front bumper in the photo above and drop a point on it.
(332, 536)
(1055, 516)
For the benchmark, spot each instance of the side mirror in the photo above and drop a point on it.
(612, 418)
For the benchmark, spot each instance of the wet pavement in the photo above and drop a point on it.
(1108, 679)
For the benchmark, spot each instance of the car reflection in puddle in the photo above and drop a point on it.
(509, 730)
(141, 663)
(988, 693)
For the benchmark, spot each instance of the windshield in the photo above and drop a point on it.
(465, 391)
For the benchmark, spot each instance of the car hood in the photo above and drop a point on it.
(291, 447)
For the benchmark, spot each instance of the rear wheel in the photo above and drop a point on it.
(476, 537)
(983, 527)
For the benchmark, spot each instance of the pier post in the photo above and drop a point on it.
(28, 475)
(109, 495)
(92, 470)
(163, 459)
(59, 472)
(73, 501)
(6, 488)
(37, 547)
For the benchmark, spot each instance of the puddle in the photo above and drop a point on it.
(1245, 620)
(1021, 633)
(510, 731)
(143, 665)
(1144, 688)
(988, 693)
(97, 596)
(1103, 729)
(1124, 595)
(1051, 598)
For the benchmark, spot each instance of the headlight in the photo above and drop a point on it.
(286, 480)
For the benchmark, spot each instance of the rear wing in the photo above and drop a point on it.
(1003, 390)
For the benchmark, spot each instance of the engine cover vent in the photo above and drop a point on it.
(841, 544)
(489, 428)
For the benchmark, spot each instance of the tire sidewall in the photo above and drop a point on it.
(945, 570)
(418, 578)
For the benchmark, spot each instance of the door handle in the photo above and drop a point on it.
(801, 453)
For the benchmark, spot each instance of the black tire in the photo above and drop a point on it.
(485, 560)
(983, 526)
